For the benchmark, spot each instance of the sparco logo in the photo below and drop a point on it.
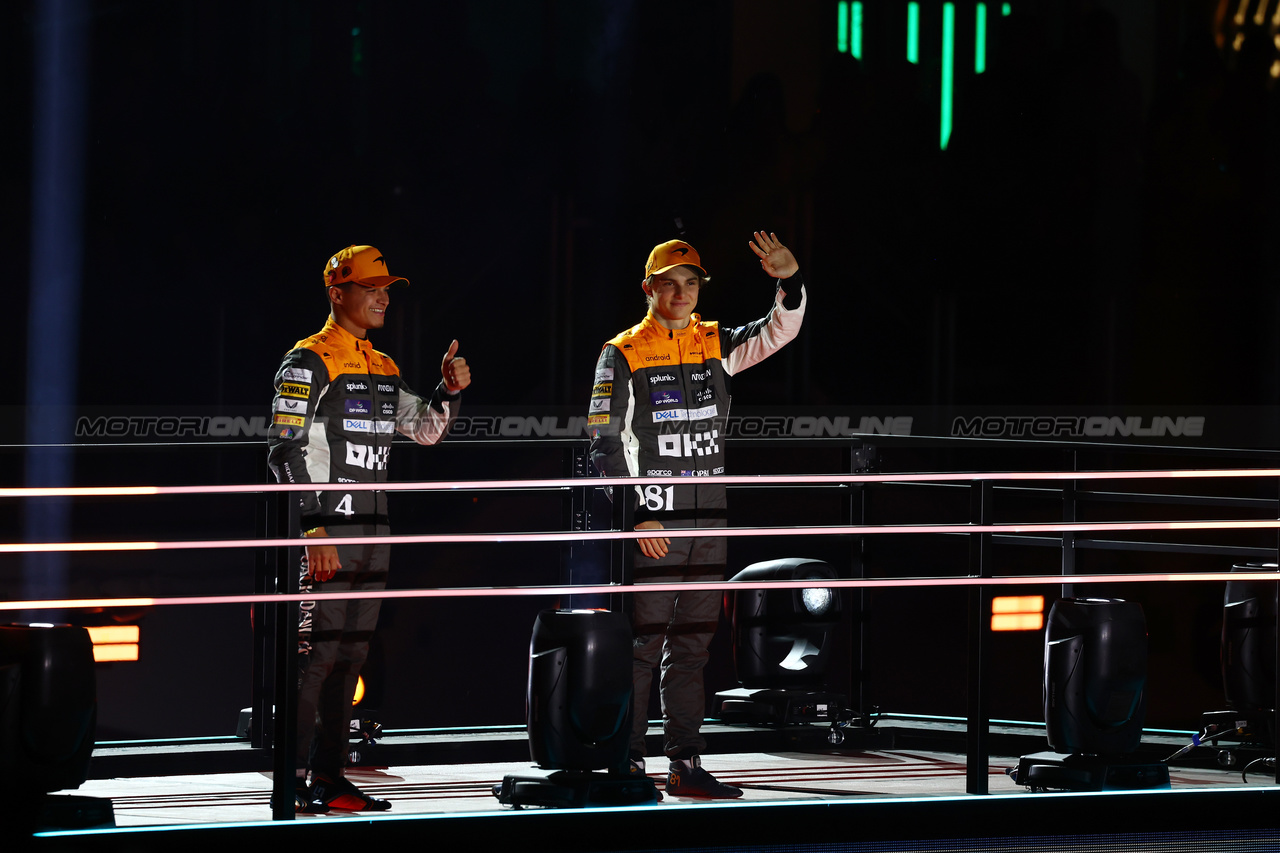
(666, 356)
(658, 472)
(661, 377)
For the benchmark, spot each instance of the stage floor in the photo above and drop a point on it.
(215, 798)
(898, 786)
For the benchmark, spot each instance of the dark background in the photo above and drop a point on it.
(1098, 232)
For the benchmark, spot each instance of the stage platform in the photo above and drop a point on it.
(900, 783)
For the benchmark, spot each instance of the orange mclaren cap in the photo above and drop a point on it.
(361, 264)
(673, 253)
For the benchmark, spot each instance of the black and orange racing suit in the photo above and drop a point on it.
(338, 405)
(658, 409)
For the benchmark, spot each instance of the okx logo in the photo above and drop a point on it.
(369, 458)
(684, 444)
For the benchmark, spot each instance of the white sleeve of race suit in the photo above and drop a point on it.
(754, 342)
(426, 421)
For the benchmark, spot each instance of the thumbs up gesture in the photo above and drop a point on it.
(456, 372)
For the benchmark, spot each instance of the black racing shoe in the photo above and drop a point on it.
(688, 779)
(637, 770)
(304, 801)
(346, 796)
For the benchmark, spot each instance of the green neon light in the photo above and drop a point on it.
(980, 41)
(842, 26)
(913, 32)
(948, 68)
(1006, 8)
(855, 31)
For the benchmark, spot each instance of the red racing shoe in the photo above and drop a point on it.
(689, 779)
(346, 796)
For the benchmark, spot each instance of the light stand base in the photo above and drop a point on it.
(573, 789)
(73, 811)
(1256, 727)
(778, 707)
(1239, 736)
(365, 730)
(1045, 771)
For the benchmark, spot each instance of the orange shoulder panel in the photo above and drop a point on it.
(710, 332)
(629, 344)
(340, 359)
(642, 348)
(382, 365)
(329, 355)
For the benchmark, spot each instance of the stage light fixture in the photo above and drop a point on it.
(1248, 661)
(782, 645)
(48, 716)
(1095, 700)
(579, 715)
(818, 600)
(1248, 648)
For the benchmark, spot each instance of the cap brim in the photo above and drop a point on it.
(381, 280)
(661, 270)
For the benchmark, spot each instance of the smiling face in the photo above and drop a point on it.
(673, 295)
(358, 308)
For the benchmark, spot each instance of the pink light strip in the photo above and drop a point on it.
(682, 533)
(503, 592)
(564, 483)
